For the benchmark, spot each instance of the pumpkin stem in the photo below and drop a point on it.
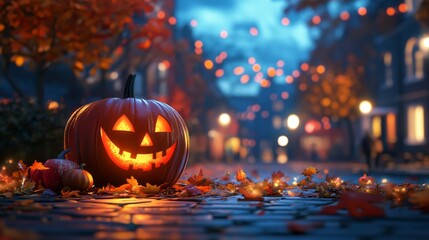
(62, 155)
(129, 86)
(82, 165)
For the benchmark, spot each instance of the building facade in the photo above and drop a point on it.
(401, 114)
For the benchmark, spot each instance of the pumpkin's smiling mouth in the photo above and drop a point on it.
(144, 161)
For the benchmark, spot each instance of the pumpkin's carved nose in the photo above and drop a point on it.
(147, 141)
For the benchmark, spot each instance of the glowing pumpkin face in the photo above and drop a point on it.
(143, 154)
(118, 138)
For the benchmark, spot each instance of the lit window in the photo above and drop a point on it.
(376, 127)
(388, 69)
(391, 128)
(415, 125)
(414, 59)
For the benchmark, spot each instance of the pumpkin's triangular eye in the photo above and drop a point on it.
(123, 124)
(162, 125)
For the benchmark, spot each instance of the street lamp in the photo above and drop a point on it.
(365, 107)
(282, 141)
(424, 43)
(292, 121)
(224, 119)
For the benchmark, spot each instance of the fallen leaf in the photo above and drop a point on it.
(421, 200)
(38, 166)
(358, 205)
(150, 189)
(69, 194)
(310, 171)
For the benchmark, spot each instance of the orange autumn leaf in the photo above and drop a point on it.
(358, 205)
(251, 191)
(150, 189)
(199, 179)
(204, 189)
(421, 200)
(69, 194)
(310, 171)
(241, 175)
(38, 166)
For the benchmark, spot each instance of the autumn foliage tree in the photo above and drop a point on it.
(38, 33)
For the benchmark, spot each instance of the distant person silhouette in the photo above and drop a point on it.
(366, 145)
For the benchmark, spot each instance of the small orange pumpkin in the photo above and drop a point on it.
(78, 179)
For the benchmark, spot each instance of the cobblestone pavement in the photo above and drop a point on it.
(103, 217)
(210, 218)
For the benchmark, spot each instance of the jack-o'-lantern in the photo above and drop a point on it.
(118, 138)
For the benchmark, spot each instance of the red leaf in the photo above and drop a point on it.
(359, 205)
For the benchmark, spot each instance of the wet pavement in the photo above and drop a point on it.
(104, 217)
(208, 218)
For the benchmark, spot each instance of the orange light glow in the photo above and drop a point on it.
(305, 67)
(123, 124)
(223, 34)
(390, 11)
(320, 69)
(302, 86)
(172, 20)
(194, 23)
(251, 60)
(145, 44)
(265, 83)
(19, 61)
(362, 11)
(316, 19)
(219, 73)
(279, 72)
(244, 79)
(258, 77)
(161, 14)
(208, 64)
(289, 79)
(314, 77)
(198, 51)
(198, 44)
(344, 15)
(271, 72)
(285, 95)
(142, 161)
(53, 105)
(285, 21)
(256, 68)
(402, 7)
(223, 55)
(254, 31)
(296, 73)
(238, 70)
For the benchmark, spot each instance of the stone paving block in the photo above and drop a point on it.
(75, 204)
(89, 212)
(247, 219)
(119, 201)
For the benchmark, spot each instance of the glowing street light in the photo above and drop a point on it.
(424, 43)
(224, 119)
(292, 121)
(282, 141)
(365, 107)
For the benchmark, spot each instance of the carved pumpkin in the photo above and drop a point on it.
(118, 138)
(78, 179)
